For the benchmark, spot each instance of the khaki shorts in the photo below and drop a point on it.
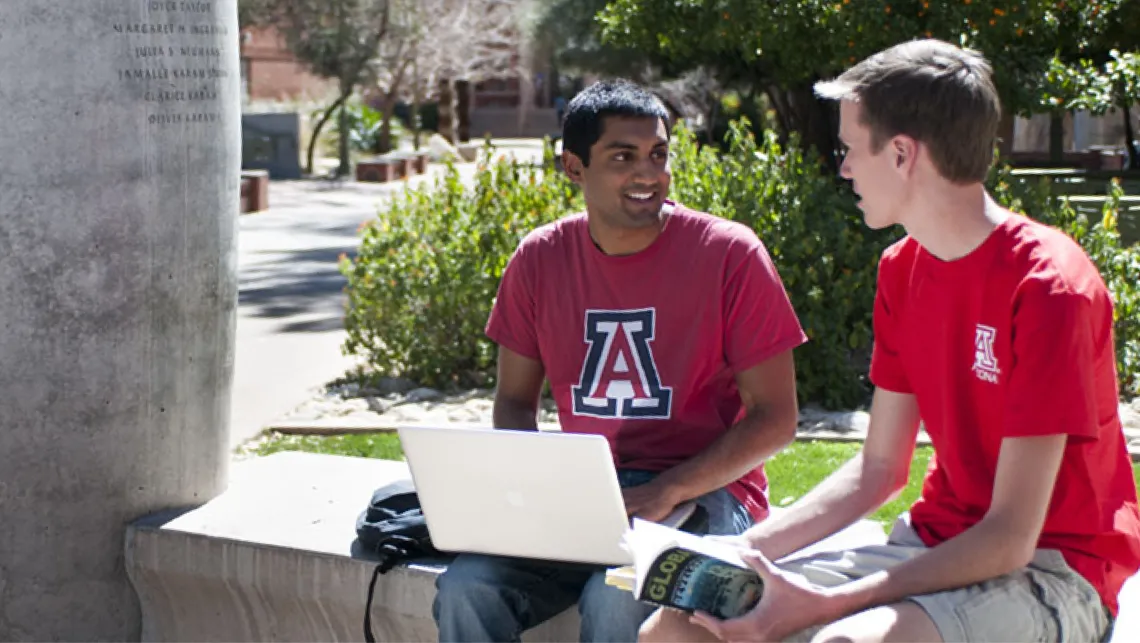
(1045, 601)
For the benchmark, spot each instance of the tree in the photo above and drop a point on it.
(570, 29)
(782, 47)
(335, 39)
(473, 41)
(396, 59)
(1098, 77)
(1098, 88)
(431, 44)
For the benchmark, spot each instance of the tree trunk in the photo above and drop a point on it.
(344, 168)
(780, 106)
(1005, 134)
(447, 116)
(710, 127)
(317, 132)
(462, 104)
(1057, 137)
(812, 119)
(415, 105)
(384, 145)
(1130, 140)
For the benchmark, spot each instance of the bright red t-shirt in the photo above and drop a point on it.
(643, 348)
(1014, 339)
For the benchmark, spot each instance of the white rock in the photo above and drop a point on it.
(391, 385)
(350, 389)
(816, 419)
(409, 413)
(355, 405)
(378, 405)
(465, 415)
(1129, 417)
(423, 395)
(439, 148)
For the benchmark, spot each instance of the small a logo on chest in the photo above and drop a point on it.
(619, 377)
(985, 362)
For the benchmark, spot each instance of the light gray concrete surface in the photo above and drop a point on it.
(272, 559)
(291, 302)
(118, 202)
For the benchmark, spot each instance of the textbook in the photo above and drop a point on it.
(673, 568)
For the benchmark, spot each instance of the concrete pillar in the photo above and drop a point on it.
(119, 191)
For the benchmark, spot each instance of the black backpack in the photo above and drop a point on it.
(394, 530)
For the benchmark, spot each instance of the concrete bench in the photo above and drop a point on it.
(273, 558)
(254, 191)
(391, 167)
(379, 170)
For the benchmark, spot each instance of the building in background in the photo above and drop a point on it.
(269, 73)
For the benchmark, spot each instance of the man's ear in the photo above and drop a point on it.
(905, 151)
(573, 166)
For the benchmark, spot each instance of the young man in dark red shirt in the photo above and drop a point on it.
(995, 332)
(666, 330)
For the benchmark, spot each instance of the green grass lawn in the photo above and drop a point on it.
(791, 474)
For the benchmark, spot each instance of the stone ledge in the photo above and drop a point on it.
(273, 558)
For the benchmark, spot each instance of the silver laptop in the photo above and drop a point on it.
(530, 494)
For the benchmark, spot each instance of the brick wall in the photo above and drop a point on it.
(271, 73)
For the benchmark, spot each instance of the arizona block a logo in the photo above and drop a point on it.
(985, 362)
(620, 377)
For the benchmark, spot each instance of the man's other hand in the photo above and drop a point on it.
(651, 501)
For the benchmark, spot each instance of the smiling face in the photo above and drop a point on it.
(627, 180)
(879, 178)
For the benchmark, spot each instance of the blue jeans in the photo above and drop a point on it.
(491, 598)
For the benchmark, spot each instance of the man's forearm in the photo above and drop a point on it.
(987, 550)
(755, 438)
(512, 415)
(844, 497)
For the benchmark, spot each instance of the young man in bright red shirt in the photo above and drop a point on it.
(995, 332)
(664, 329)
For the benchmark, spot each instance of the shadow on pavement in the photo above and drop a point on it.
(298, 283)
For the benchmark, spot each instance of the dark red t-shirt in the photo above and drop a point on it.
(1014, 339)
(643, 348)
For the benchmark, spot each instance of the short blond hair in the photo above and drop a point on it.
(934, 92)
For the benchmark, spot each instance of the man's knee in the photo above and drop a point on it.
(672, 626)
(898, 622)
(608, 613)
(468, 581)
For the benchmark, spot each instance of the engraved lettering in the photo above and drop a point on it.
(177, 71)
(144, 28)
(200, 51)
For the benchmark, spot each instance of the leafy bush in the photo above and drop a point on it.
(815, 233)
(1098, 234)
(421, 288)
(365, 127)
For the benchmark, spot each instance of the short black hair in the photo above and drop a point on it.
(582, 125)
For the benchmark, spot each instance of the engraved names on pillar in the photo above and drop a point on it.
(179, 75)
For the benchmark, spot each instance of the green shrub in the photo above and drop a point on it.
(365, 128)
(421, 288)
(826, 256)
(1099, 236)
